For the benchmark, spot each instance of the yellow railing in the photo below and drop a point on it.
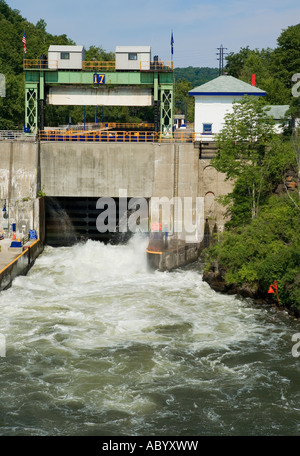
(39, 64)
(99, 66)
(97, 136)
(128, 125)
(107, 126)
(105, 135)
(96, 66)
(111, 66)
(156, 65)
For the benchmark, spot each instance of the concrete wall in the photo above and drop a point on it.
(97, 169)
(101, 169)
(18, 185)
(211, 185)
(149, 170)
(18, 169)
(165, 172)
(172, 258)
(175, 179)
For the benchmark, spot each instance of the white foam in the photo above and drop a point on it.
(103, 330)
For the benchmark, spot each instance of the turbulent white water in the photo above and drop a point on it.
(97, 344)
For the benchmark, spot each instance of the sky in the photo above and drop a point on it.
(199, 28)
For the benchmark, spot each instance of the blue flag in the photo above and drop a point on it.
(172, 42)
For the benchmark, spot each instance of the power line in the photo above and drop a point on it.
(221, 54)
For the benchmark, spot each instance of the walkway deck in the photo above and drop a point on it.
(7, 255)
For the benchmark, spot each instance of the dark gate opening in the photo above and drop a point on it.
(69, 220)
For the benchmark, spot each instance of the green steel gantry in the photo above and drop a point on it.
(37, 79)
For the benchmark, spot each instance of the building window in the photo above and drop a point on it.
(132, 56)
(207, 129)
(65, 55)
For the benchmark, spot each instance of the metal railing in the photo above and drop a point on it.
(109, 126)
(97, 136)
(106, 135)
(108, 132)
(109, 65)
(14, 135)
(25, 239)
(38, 64)
(156, 65)
(87, 126)
(127, 125)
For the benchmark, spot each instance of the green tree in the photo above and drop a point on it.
(243, 145)
(183, 102)
(12, 27)
(196, 75)
(98, 54)
(261, 63)
(286, 59)
(235, 62)
(41, 25)
(254, 64)
(11, 107)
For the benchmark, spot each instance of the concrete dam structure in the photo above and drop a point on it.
(169, 178)
(147, 170)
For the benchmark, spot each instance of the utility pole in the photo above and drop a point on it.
(221, 54)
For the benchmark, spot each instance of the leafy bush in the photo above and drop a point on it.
(266, 249)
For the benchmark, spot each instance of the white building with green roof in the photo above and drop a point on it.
(214, 99)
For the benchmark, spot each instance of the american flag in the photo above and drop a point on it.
(24, 42)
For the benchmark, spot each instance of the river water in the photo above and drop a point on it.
(96, 344)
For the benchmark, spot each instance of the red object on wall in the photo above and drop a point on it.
(271, 290)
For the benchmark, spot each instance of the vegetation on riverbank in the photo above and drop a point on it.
(256, 254)
(261, 242)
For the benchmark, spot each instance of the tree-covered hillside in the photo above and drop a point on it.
(12, 28)
(38, 40)
(196, 75)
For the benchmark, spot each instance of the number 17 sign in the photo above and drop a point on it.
(99, 78)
